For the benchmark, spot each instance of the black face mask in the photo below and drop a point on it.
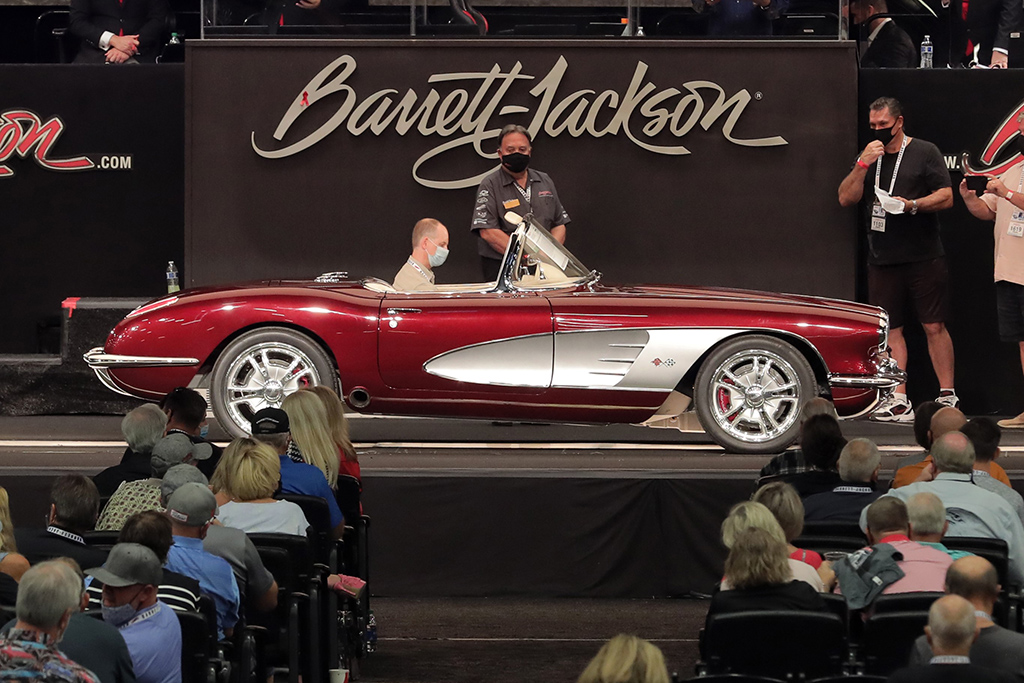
(516, 162)
(883, 135)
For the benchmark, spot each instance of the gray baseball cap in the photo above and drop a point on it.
(175, 449)
(192, 505)
(177, 476)
(129, 564)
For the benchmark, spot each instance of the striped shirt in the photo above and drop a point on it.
(177, 591)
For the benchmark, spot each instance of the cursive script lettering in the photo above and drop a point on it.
(23, 133)
(642, 113)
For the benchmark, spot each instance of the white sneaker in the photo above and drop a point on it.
(950, 399)
(896, 408)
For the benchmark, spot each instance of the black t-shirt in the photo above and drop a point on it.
(38, 545)
(907, 239)
(795, 595)
(133, 466)
(813, 481)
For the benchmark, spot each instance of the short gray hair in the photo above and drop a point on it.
(278, 442)
(47, 592)
(927, 513)
(858, 460)
(953, 452)
(143, 427)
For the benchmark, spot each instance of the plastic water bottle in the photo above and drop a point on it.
(172, 278)
(927, 50)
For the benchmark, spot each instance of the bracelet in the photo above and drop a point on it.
(862, 164)
(1009, 195)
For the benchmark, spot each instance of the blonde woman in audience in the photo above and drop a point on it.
(784, 502)
(626, 659)
(311, 434)
(245, 480)
(338, 424)
(751, 515)
(11, 562)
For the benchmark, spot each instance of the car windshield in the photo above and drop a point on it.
(542, 261)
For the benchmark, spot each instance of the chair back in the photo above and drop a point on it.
(781, 644)
(905, 602)
(349, 493)
(888, 638)
(104, 540)
(318, 514)
(196, 647)
(994, 550)
(823, 537)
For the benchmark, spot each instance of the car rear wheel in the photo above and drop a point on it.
(749, 392)
(259, 369)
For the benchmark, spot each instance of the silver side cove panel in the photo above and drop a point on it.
(640, 360)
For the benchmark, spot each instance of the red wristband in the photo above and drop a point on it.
(862, 164)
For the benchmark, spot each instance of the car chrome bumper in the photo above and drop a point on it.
(887, 376)
(101, 362)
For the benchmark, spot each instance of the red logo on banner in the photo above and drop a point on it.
(1000, 140)
(22, 133)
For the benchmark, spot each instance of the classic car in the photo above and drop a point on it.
(548, 341)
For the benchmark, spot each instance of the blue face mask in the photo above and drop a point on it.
(120, 615)
(203, 431)
(438, 257)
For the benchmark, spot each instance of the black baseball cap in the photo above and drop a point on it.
(270, 421)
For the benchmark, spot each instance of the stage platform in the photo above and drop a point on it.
(470, 508)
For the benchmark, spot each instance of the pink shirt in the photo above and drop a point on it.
(1009, 249)
(924, 567)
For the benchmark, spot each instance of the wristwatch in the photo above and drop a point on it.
(913, 207)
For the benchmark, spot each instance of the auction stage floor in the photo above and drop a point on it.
(505, 552)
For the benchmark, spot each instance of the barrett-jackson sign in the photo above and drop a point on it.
(23, 134)
(694, 162)
(642, 112)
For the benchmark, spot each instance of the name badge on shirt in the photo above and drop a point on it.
(877, 217)
(510, 204)
(1015, 230)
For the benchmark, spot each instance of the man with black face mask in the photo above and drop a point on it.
(1003, 202)
(518, 188)
(906, 182)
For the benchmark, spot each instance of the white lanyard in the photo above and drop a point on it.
(66, 534)
(525, 192)
(895, 169)
(419, 268)
(853, 489)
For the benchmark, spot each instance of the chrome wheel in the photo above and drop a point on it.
(756, 396)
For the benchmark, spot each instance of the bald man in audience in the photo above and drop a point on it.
(924, 568)
(971, 510)
(928, 523)
(951, 631)
(944, 421)
(429, 250)
(985, 435)
(859, 463)
(974, 579)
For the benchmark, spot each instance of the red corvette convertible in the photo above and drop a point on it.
(548, 341)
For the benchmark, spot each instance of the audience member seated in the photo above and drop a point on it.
(12, 563)
(793, 461)
(245, 482)
(191, 509)
(337, 423)
(130, 578)
(141, 428)
(144, 494)
(751, 515)
(186, 414)
(270, 426)
(971, 510)
(928, 523)
(951, 631)
(49, 594)
(944, 421)
(888, 46)
(758, 576)
(985, 435)
(153, 530)
(974, 579)
(254, 581)
(114, 32)
(311, 435)
(626, 659)
(429, 249)
(91, 643)
(821, 441)
(859, 463)
(923, 415)
(785, 504)
(8, 590)
(923, 568)
(74, 505)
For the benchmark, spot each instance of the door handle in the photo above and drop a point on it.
(393, 311)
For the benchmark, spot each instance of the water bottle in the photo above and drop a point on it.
(172, 278)
(370, 636)
(927, 51)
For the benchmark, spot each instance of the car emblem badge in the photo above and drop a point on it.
(657, 362)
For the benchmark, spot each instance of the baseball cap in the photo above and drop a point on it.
(129, 564)
(178, 475)
(175, 449)
(270, 421)
(192, 505)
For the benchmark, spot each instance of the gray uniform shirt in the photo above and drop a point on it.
(235, 547)
(499, 193)
(996, 648)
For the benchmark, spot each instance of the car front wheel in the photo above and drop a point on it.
(259, 368)
(749, 393)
